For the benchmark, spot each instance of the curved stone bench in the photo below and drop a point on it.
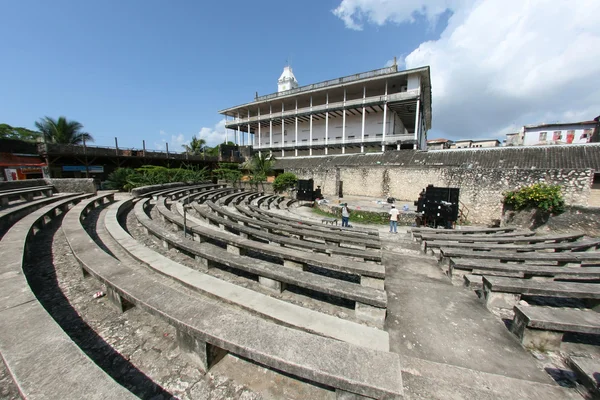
(26, 194)
(206, 329)
(298, 230)
(247, 232)
(580, 245)
(371, 274)
(43, 361)
(252, 213)
(177, 194)
(370, 302)
(9, 215)
(447, 254)
(315, 223)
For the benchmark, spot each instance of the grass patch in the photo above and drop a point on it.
(357, 216)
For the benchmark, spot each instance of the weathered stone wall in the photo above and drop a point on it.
(575, 218)
(481, 188)
(66, 185)
(72, 185)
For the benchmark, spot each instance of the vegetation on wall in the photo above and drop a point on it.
(125, 179)
(284, 182)
(541, 196)
(229, 172)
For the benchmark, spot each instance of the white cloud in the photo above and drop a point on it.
(216, 134)
(175, 144)
(355, 13)
(501, 64)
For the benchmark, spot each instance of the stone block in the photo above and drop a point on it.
(293, 264)
(376, 283)
(118, 302)
(542, 340)
(366, 312)
(500, 300)
(235, 250)
(272, 284)
(201, 353)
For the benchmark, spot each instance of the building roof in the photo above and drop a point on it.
(20, 160)
(433, 141)
(525, 157)
(560, 124)
(387, 73)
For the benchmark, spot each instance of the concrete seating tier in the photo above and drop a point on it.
(544, 327)
(370, 302)
(214, 194)
(179, 193)
(11, 214)
(315, 223)
(504, 292)
(490, 237)
(588, 371)
(42, 360)
(264, 199)
(255, 302)
(325, 230)
(580, 245)
(207, 329)
(26, 194)
(371, 274)
(298, 230)
(522, 270)
(465, 231)
(369, 255)
(234, 198)
(446, 254)
(526, 238)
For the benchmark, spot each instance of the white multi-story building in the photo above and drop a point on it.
(372, 111)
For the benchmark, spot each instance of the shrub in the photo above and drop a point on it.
(544, 197)
(120, 179)
(125, 179)
(285, 181)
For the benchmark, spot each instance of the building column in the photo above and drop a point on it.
(310, 130)
(296, 139)
(326, 122)
(270, 126)
(362, 136)
(282, 129)
(344, 125)
(417, 124)
(384, 118)
(259, 139)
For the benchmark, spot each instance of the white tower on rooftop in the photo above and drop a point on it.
(287, 80)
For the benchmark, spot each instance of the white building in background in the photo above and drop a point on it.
(546, 134)
(379, 110)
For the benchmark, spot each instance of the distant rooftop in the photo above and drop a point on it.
(558, 124)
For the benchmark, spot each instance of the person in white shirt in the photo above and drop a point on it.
(394, 219)
(345, 214)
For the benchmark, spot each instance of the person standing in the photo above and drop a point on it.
(345, 214)
(394, 219)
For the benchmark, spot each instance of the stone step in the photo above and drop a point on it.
(588, 370)
(425, 379)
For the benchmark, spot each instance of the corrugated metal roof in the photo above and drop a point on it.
(545, 157)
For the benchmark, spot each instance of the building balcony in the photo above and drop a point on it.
(369, 140)
(323, 108)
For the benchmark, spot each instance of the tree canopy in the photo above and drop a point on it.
(63, 131)
(195, 147)
(9, 132)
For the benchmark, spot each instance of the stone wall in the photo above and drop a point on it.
(72, 185)
(481, 188)
(67, 185)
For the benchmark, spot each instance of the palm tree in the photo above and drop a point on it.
(262, 164)
(195, 147)
(62, 131)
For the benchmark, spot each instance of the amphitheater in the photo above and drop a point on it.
(212, 292)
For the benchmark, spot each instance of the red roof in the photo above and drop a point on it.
(13, 160)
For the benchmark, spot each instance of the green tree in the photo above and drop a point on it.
(63, 131)
(229, 172)
(9, 132)
(196, 146)
(260, 167)
(284, 182)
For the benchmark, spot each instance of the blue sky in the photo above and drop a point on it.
(160, 71)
